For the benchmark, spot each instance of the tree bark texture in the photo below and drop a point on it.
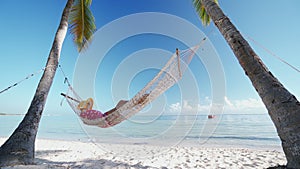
(19, 148)
(282, 106)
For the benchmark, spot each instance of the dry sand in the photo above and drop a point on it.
(57, 154)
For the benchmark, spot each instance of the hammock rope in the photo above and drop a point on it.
(166, 78)
(273, 54)
(34, 74)
(22, 80)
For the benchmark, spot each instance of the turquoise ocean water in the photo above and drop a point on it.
(233, 130)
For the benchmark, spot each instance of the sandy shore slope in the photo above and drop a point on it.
(56, 154)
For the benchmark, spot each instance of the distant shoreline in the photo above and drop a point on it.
(11, 114)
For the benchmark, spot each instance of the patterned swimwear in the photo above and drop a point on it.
(91, 114)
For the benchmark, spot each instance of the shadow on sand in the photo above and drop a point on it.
(87, 163)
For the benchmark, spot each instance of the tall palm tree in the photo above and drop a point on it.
(282, 106)
(19, 148)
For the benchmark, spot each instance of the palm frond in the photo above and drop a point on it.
(205, 18)
(88, 2)
(82, 23)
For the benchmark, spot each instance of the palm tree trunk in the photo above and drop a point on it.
(282, 106)
(19, 148)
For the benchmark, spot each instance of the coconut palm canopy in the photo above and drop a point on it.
(82, 23)
(202, 12)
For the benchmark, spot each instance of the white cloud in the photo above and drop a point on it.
(203, 108)
(244, 105)
(187, 107)
(176, 107)
(249, 105)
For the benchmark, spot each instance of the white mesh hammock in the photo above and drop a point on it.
(166, 78)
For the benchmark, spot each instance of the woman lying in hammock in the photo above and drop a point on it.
(110, 118)
(86, 108)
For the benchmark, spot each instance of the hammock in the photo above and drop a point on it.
(166, 78)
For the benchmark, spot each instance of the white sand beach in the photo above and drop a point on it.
(56, 154)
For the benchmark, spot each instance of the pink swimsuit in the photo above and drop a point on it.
(91, 114)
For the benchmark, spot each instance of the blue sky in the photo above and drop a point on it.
(27, 31)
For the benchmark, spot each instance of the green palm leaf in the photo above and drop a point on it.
(202, 12)
(82, 23)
